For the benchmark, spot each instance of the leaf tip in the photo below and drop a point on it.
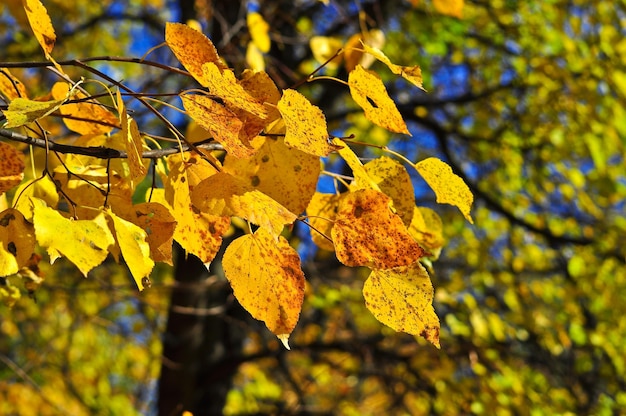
(284, 338)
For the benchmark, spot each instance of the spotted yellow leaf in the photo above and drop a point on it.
(321, 214)
(41, 25)
(401, 298)
(22, 111)
(305, 123)
(267, 280)
(132, 140)
(367, 233)
(11, 167)
(84, 117)
(361, 177)
(17, 237)
(449, 187)
(427, 229)
(11, 87)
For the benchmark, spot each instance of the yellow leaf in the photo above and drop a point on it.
(267, 280)
(325, 47)
(131, 240)
(132, 140)
(321, 214)
(85, 242)
(85, 117)
(42, 188)
(41, 25)
(11, 87)
(254, 57)
(18, 238)
(223, 124)
(369, 92)
(11, 167)
(361, 177)
(367, 233)
(413, 74)
(258, 28)
(223, 84)
(354, 53)
(22, 111)
(427, 229)
(198, 233)
(225, 195)
(191, 48)
(401, 298)
(287, 175)
(449, 188)
(394, 181)
(260, 86)
(305, 122)
(8, 265)
(452, 8)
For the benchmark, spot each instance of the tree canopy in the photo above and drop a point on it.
(516, 107)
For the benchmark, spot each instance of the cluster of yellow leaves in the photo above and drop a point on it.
(274, 142)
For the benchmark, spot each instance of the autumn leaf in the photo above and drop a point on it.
(449, 187)
(325, 47)
(367, 233)
(321, 214)
(226, 195)
(41, 188)
(401, 298)
(41, 25)
(452, 8)
(83, 242)
(353, 50)
(86, 117)
(22, 111)
(267, 280)
(254, 57)
(18, 239)
(11, 167)
(305, 123)
(263, 89)
(413, 74)
(258, 28)
(361, 177)
(287, 175)
(369, 92)
(131, 240)
(427, 229)
(132, 140)
(11, 87)
(191, 48)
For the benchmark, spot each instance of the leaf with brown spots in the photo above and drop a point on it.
(321, 214)
(11, 167)
(402, 298)
(41, 25)
(17, 238)
(267, 280)
(368, 233)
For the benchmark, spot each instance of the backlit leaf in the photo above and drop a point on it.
(324, 47)
(267, 280)
(427, 229)
(22, 111)
(361, 177)
(369, 92)
(452, 8)
(258, 28)
(17, 237)
(321, 214)
(413, 74)
(226, 195)
(192, 48)
(85, 117)
(42, 188)
(131, 240)
(11, 167)
(132, 140)
(368, 233)
(84, 242)
(401, 298)
(11, 87)
(305, 122)
(287, 175)
(41, 25)
(449, 187)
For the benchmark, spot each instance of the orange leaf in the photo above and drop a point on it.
(267, 280)
(401, 298)
(95, 118)
(10, 86)
(11, 167)
(449, 188)
(306, 124)
(452, 8)
(369, 92)
(368, 233)
(192, 48)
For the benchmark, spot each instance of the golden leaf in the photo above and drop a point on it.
(260, 86)
(401, 298)
(131, 240)
(427, 229)
(17, 237)
(41, 188)
(325, 47)
(84, 242)
(41, 25)
(305, 123)
(254, 57)
(267, 280)
(85, 117)
(11, 167)
(258, 28)
(198, 233)
(132, 140)
(452, 8)
(10, 86)
(361, 177)
(22, 111)
(449, 187)
(413, 74)
(367, 233)
(369, 92)
(191, 48)
(226, 195)
(287, 175)
(354, 53)
(321, 214)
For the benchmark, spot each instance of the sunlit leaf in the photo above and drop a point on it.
(41, 25)
(85, 117)
(11, 87)
(449, 187)
(267, 280)
(401, 298)
(305, 122)
(131, 240)
(321, 214)
(361, 177)
(41, 188)
(226, 195)
(452, 8)
(324, 47)
(413, 74)
(84, 242)
(192, 48)
(354, 51)
(132, 140)
(369, 92)
(367, 233)
(22, 111)
(258, 28)
(18, 239)
(427, 229)
(254, 57)
(11, 167)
